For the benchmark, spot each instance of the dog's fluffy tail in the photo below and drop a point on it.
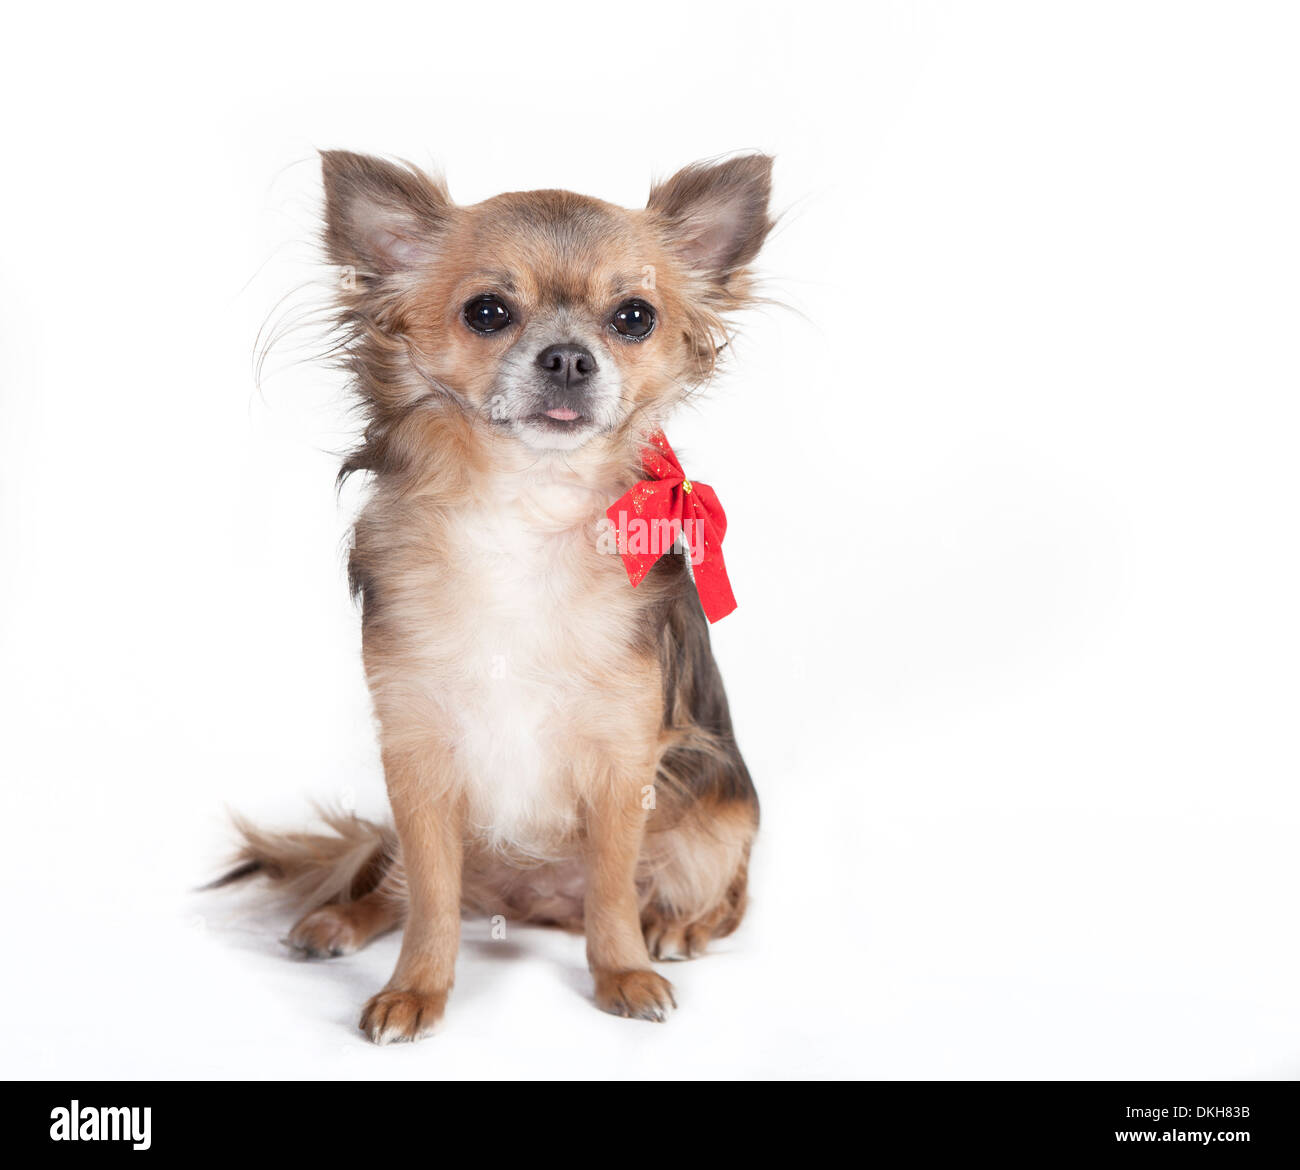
(309, 870)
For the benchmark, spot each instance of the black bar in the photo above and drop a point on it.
(227, 1118)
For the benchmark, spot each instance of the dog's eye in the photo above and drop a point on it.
(634, 319)
(487, 314)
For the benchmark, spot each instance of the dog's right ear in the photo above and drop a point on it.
(381, 218)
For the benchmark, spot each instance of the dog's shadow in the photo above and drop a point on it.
(259, 930)
(526, 942)
(493, 949)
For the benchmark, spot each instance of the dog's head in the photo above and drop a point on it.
(549, 316)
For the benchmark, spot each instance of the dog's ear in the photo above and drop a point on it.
(380, 218)
(714, 215)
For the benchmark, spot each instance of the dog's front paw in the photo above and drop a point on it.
(639, 995)
(393, 1016)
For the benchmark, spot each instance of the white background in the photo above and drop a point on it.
(1012, 503)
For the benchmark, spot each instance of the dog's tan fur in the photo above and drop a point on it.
(556, 743)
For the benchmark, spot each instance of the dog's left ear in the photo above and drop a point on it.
(714, 215)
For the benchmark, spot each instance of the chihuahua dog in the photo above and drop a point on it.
(556, 743)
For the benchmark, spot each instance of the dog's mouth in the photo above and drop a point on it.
(558, 418)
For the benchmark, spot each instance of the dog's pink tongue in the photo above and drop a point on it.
(562, 414)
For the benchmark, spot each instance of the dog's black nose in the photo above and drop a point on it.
(568, 365)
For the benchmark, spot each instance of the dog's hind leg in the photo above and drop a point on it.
(343, 927)
(694, 878)
(348, 884)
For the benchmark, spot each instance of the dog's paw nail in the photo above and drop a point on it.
(638, 995)
(392, 1017)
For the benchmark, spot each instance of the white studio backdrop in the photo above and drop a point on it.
(1011, 489)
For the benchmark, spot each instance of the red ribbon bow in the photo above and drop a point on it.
(650, 517)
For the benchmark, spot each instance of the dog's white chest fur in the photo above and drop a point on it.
(527, 642)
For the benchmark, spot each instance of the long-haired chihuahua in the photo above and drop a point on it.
(556, 742)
